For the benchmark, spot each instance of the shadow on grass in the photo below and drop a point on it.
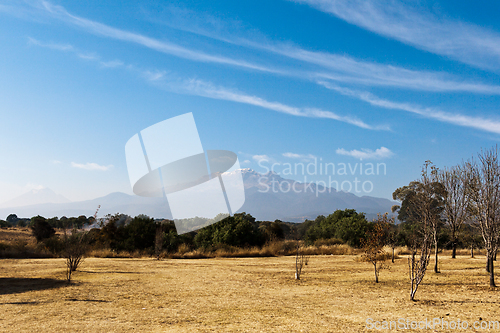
(21, 285)
(112, 272)
(86, 300)
(445, 302)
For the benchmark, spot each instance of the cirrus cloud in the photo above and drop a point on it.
(91, 166)
(366, 154)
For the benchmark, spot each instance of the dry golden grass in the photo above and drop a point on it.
(10, 235)
(336, 294)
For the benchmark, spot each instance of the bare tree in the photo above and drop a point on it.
(485, 193)
(417, 268)
(373, 245)
(422, 202)
(300, 261)
(75, 248)
(456, 209)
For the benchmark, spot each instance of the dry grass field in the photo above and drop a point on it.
(336, 294)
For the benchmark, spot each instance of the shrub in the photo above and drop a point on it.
(41, 228)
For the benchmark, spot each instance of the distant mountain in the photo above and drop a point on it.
(35, 197)
(268, 198)
(261, 202)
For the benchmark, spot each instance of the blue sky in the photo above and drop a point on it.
(277, 81)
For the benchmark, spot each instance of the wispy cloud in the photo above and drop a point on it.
(170, 82)
(344, 69)
(261, 158)
(324, 65)
(91, 166)
(303, 157)
(80, 54)
(53, 46)
(468, 43)
(480, 123)
(366, 154)
(207, 89)
(112, 63)
(339, 68)
(151, 43)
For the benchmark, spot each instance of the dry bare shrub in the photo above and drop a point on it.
(328, 242)
(102, 253)
(75, 248)
(403, 250)
(300, 262)
(183, 248)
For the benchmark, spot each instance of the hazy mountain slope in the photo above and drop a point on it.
(264, 205)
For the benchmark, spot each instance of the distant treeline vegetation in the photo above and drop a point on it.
(121, 233)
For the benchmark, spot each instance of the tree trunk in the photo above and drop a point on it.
(487, 263)
(376, 274)
(495, 256)
(492, 275)
(436, 253)
(393, 255)
(454, 244)
(472, 251)
(297, 272)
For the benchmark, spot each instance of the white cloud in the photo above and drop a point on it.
(206, 89)
(112, 63)
(304, 157)
(348, 70)
(365, 154)
(261, 158)
(154, 75)
(339, 68)
(468, 43)
(151, 43)
(54, 46)
(480, 123)
(91, 166)
(56, 162)
(335, 67)
(82, 55)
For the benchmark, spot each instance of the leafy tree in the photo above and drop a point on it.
(41, 229)
(347, 225)
(237, 230)
(12, 219)
(300, 229)
(273, 230)
(395, 237)
(422, 203)
(172, 240)
(140, 233)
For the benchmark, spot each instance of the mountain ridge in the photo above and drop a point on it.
(263, 205)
